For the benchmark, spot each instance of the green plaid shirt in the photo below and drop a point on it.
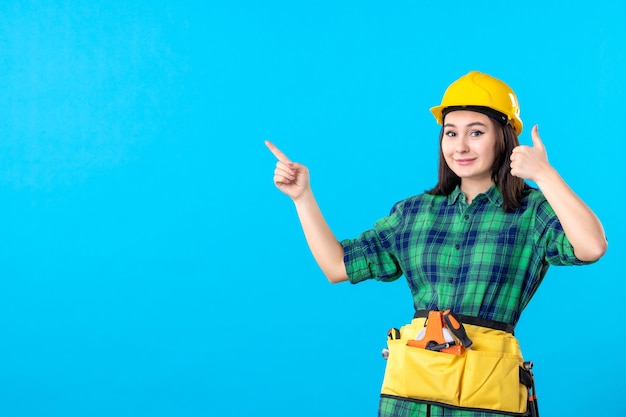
(474, 259)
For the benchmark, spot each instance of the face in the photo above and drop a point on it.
(469, 146)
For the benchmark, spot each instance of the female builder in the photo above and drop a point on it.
(479, 244)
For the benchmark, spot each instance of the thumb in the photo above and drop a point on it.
(537, 142)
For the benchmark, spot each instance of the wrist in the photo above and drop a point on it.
(546, 176)
(305, 198)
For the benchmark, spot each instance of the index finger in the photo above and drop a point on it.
(277, 152)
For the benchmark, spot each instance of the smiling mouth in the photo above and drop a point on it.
(464, 161)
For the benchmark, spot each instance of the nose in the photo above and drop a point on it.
(461, 146)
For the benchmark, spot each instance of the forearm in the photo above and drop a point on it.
(324, 246)
(582, 227)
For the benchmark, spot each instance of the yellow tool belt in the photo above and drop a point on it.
(488, 376)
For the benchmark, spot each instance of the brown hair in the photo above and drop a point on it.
(512, 188)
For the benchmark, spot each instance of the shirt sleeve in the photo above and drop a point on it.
(372, 255)
(550, 238)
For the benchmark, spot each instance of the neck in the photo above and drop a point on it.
(471, 189)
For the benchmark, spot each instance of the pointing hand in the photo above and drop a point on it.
(290, 177)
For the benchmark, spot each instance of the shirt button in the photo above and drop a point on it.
(457, 247)
(451, 280)
(466, 217)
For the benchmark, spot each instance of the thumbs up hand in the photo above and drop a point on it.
(530, 162)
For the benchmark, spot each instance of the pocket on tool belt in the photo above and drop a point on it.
(394, 382)
(413, 372)
(493, 341)
(491, 380)
(433, 376)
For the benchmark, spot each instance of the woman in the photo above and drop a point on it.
(479, 244)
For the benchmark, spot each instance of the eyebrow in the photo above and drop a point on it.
(469, 125)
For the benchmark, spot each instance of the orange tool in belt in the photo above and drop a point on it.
(440, 326)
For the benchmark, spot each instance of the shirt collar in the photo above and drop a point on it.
(493, 194)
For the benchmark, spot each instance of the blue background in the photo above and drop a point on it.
(148, 266)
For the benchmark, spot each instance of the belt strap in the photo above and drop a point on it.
(476, 321)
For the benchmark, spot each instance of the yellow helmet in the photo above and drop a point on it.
(476, 91)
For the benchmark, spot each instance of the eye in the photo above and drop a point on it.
(476, 133)
(450, 133)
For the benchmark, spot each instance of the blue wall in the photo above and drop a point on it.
(148, 266)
